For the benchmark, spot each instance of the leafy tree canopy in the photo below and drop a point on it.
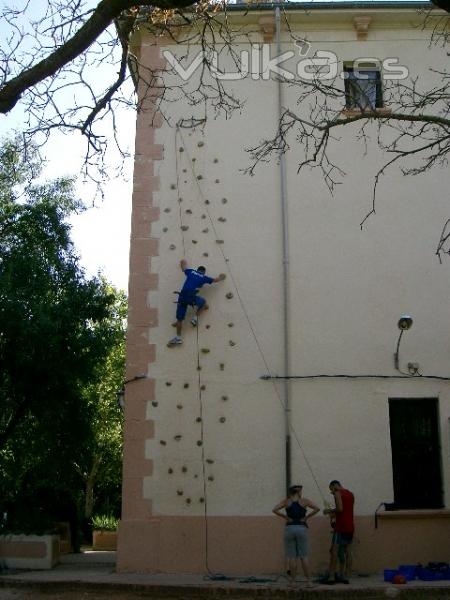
(56, 327)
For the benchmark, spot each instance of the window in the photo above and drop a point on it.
(416, 454)
(363, 89)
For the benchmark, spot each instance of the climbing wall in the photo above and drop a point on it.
(211, 409)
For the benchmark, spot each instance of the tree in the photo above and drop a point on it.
(102, 458)
(55, 327)
(51, 53)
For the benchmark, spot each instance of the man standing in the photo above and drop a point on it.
(195, 279)
(343, 532)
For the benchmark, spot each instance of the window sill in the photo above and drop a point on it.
(356, 112)
(427, 513)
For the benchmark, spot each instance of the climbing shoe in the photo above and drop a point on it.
(194, 321)
(176, 341)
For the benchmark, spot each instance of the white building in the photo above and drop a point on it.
(205, 449)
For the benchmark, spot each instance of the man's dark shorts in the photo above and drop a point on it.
(342, 539)
(186, 299)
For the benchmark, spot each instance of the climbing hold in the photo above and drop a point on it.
(203, 387)
(201, 500)
(194, 241)
(221, 219)
(199, 443)
(165, 229)
(203, 216)
(207, 201)
(222, 419)
(205, 254)
(205, 230)
(219, 241)
(198, 419)
(210, 478)
(184, 469)
(199, 177)
(184, 227)
(180, 200)
(232, 343)
(195, 476)
(173, 186)
(194, 159)
(205, 350)
(217, 181)
(179, 406)
(224, 398)
(180, 492)
(184, 171)
(222, 366)
(188, 211)
(200, 144)
(163, 442)
(188, 500)
(167, 210)
(170, 470)
(207, 326)
(229, 295)
(224, 200)
(154, 403)
(168, 383)
(199, 368)
(209, 461)
(177, 438)
(180, 149)
(216, 160)
(230, 324)
(186, 385)
(172, 247)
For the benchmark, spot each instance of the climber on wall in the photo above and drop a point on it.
(195, 279)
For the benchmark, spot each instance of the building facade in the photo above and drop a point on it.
(211, 437)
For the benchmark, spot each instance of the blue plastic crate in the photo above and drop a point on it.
(409, 572)
(389, 574)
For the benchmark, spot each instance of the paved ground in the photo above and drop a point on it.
(92, 576)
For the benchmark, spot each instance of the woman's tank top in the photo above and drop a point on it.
(296, 512)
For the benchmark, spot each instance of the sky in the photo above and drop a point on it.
(101, 233)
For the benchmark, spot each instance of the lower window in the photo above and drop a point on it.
(416, 453)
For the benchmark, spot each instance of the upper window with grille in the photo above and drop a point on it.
(363, 86)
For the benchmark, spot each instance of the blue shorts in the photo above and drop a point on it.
(186, 299)
(342, 539)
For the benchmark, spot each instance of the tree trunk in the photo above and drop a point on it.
(90, 482)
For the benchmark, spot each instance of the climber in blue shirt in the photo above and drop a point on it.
(195, 279)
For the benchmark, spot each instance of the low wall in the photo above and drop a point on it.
(29, 551)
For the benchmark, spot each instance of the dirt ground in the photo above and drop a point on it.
(69, 594)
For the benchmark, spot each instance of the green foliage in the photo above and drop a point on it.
(60, 333)
(105, 522)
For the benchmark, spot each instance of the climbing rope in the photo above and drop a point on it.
(199, 380)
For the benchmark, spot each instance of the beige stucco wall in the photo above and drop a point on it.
(347, 289)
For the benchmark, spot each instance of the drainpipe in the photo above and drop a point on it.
(285, 248)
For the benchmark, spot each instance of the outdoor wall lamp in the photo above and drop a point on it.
(121, 393)
(404, 323)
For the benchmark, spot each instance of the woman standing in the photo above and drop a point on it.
(296, 530)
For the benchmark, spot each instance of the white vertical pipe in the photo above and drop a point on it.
(285, 249)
